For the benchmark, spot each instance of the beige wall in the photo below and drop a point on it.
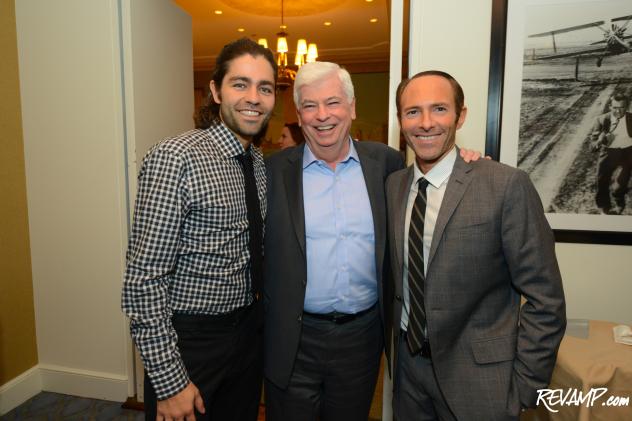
(18, 348)
(371, 92)
(70, 84)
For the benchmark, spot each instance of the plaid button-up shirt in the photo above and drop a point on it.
(188, 249)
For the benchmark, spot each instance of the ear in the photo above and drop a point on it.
(215, 92)
(462, 116)
(353, 113)
(298, 117)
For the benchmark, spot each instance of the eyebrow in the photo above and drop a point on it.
(434, 104)
(248, 80)
(335, 97)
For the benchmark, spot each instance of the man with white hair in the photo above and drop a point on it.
(325, 249)
(326, 258)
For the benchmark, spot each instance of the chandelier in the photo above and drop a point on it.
(304, 54)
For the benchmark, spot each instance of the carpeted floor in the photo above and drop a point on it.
(48, 406)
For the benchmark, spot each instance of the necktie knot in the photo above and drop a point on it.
(422, 184)
(245, 159)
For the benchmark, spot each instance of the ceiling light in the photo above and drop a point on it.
(240, 29)
(301, 46)
(304, 54)
(327, 23)
(373, 20)
(312, 53)
(218, 12)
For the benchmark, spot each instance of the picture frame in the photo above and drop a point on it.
(509, 30)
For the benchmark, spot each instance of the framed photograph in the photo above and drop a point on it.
(559, 108)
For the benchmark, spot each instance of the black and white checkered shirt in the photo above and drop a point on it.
(188, 250)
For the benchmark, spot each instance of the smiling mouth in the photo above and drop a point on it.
(427, 136)
(250, 113)
(325, 128)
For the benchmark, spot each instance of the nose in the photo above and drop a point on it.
(321, 112)
(425, 121)
(252, 95)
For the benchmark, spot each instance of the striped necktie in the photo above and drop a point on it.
(416, 277)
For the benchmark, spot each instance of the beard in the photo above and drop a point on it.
(254, 131)
(258, 138)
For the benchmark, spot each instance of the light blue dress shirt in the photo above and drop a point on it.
(340, 239)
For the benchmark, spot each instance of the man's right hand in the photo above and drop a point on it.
(180, 407)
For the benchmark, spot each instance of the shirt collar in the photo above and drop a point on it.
(225, 140)
(309, 158)
(440, 172)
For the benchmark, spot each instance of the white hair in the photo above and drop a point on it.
(310, 73)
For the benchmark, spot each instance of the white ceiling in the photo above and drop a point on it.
(351, 40)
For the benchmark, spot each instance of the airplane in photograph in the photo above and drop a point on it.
(613, 42)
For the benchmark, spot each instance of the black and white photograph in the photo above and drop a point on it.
(567, 115)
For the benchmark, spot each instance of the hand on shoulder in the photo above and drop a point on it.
(471, 155)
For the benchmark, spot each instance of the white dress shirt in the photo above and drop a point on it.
(620, 135)
(437, 178)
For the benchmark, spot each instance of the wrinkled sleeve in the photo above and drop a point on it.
(160, 206)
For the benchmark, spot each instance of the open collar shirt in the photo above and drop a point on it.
(339, 236)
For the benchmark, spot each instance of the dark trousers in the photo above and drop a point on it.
(609, 160)
(416, 393)
(223, 357)
(334, 373)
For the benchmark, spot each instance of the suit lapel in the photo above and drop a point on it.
(373, 179)
(293, 177)
(457, 185)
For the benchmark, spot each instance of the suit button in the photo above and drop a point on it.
(398, 297)
(304, 282)
(300, 317)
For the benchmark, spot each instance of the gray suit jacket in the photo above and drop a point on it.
(285, 268)
(491, 245)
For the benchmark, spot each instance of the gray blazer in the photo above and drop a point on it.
(285, 268)
(491, 245)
